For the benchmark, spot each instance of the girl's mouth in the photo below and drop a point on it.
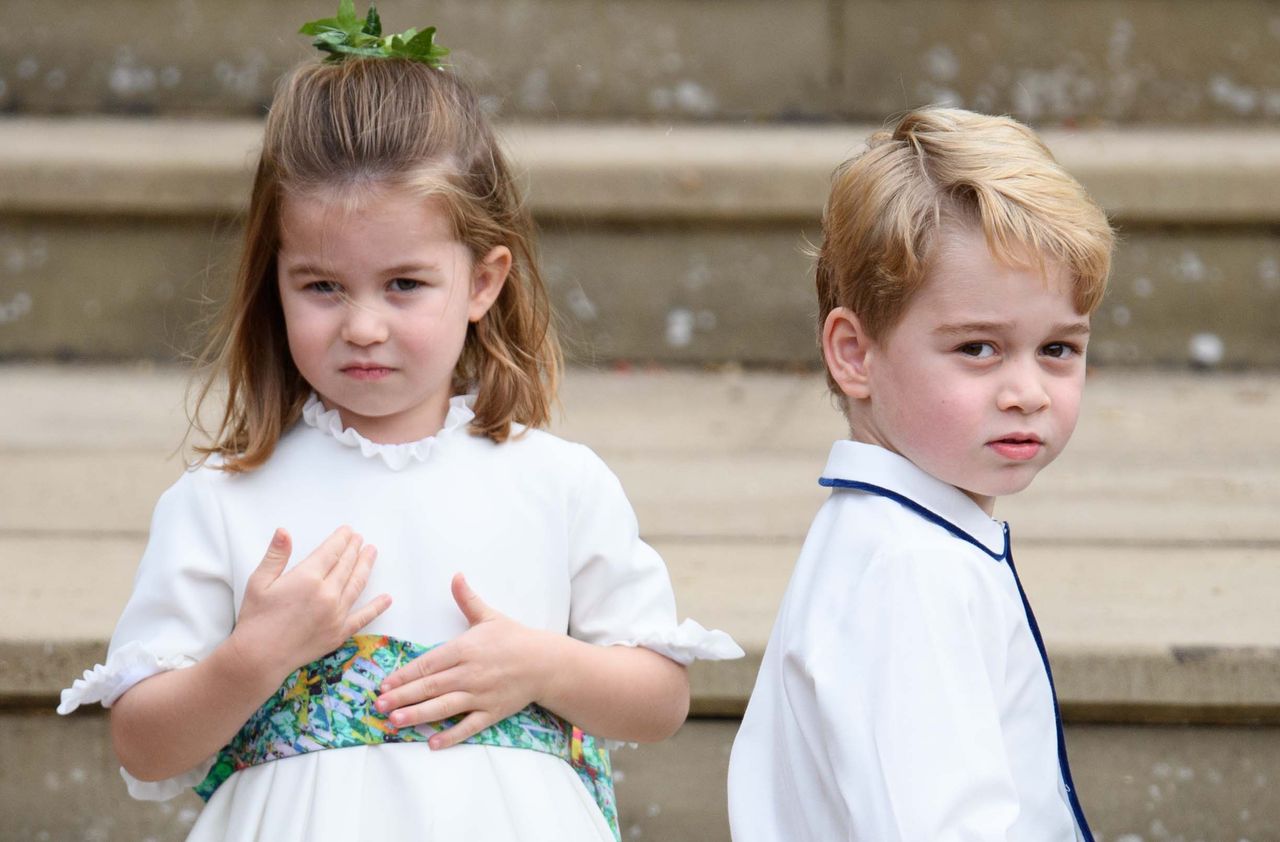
(372, 372)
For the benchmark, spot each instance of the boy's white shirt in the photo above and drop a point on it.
(902, 695)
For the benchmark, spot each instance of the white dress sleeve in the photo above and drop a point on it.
(924, 672)
(620, 591)
(181, 608)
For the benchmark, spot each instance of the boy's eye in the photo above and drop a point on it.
(404, 285)
(1060, 350)
(977, 350)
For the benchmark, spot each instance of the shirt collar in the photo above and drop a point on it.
(871, 468)
(397, 457)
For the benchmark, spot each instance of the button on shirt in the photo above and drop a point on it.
(903, 694)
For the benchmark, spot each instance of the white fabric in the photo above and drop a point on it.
(544, 534)
(902, 695)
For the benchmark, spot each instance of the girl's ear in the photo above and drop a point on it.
(487, 278)
(847, 349)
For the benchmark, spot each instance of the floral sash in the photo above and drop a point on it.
(329, 704)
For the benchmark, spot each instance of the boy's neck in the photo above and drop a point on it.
(985, 502)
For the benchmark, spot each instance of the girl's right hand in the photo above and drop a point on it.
(290, 619)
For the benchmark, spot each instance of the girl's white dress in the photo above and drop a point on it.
(544, 534)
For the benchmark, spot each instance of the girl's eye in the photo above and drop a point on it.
(404, 285)
(322, 287)
(977, 350)
(1060, 350)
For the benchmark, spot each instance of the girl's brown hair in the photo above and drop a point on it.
(372, 123)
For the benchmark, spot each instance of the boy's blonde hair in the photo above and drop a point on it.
(946, 166)
(370, 123)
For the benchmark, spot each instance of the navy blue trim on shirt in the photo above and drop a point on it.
(928, 515)
(1064, 767)
(1063, 764)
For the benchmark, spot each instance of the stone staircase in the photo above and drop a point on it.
(677, 156)
(1150, 551)
(1166, 62)
(678, 244)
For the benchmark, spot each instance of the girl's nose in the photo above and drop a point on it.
(364, 325)
(1023, 390)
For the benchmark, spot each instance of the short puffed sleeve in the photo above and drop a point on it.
(620, 591)
(181, 608)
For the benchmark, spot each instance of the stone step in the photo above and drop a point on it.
(88, 449)
(1137, 782)
(1055, 61)
(1148, 551)
(671, 245)
(1146, 634)
(1151, 547)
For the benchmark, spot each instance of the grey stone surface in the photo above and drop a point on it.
(1150, 549)
(1135, 635)
(89, 448)
(622, 172)
(1049, 61)
(1150, 552)
(744, 293)
(552, 58)
(74, 286)
(114, 288)
(1075, 61)
(1136, 783)
(684, 247)
(62, 784)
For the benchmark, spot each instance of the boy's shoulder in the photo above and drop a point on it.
(890, 529)
(861, 532)
(871, 565)
(901, 502)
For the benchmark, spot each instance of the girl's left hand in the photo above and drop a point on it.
(489, 672)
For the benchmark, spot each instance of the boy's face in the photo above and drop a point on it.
(980, 382)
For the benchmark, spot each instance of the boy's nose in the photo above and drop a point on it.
(363, 325)
(1023, 390)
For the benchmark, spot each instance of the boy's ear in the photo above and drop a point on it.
(846, 347)
(487, 278)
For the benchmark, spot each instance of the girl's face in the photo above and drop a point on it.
(377, 298)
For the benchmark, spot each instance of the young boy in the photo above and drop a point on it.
(905, 693)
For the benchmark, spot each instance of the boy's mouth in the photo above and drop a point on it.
(1017, 446)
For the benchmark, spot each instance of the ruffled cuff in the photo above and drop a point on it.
(169, 787)
(107, 682)
(688, 642)
(124, 668)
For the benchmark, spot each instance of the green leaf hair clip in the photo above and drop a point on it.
(348, 35)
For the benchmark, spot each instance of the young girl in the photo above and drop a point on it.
(387, 354)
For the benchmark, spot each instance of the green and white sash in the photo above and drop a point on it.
(329, 703)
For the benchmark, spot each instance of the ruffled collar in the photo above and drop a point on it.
(396, 456)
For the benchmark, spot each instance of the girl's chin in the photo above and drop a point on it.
(391, 423)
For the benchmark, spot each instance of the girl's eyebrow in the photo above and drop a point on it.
(1080, 328)
(306, 269)
(410, 269)
(321, 271)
